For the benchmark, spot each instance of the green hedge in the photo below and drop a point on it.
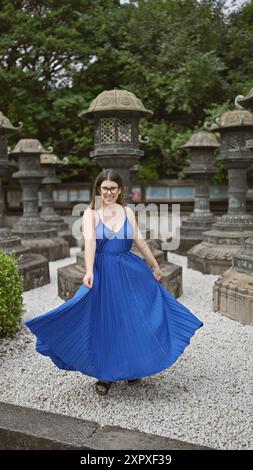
(11, 302)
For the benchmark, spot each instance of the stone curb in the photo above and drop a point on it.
(31, 429)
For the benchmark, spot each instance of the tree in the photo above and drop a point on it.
(182, 58)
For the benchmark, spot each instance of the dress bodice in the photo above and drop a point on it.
(109, 241)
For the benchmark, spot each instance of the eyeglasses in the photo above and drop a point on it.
(113, 189)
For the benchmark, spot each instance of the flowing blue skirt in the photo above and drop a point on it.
(125, 327)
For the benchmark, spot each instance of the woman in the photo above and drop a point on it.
(121, 324)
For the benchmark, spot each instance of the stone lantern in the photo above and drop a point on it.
(214, 254)
(35, 232)
(233, 291)
(34, 268)
(116, 115)
(201, 147)
(48, 213)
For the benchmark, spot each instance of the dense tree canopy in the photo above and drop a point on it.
(185, 59)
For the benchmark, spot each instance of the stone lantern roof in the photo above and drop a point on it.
(116, 100)
(246, 101)
(201, 139)
(49, 159)
(6, 125)
(236, 118)
(32, 146)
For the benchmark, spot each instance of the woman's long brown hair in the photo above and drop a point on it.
(110, 175)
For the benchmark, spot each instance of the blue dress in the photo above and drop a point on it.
(126, 326)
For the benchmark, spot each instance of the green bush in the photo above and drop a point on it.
(11, 302)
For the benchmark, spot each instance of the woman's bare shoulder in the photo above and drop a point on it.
(89, 210)
(89, 214)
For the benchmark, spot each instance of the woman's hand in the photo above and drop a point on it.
(157, 273)
(88, 279)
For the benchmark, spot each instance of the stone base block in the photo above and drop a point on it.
(211, 259)
(70, 278)
(172, 279)
(12, 244)
(233, 296)
(227, 236)
(50, 248)
(34, 270)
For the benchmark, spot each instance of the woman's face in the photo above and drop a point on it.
(109, 197)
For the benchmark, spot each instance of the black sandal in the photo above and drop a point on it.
(102, 388)
(133, 381)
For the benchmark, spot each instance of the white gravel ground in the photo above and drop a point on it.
(206, 397)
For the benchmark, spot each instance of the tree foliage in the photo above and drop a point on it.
(11, 302)
(183, 58)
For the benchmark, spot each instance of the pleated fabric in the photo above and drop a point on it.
(126, 326)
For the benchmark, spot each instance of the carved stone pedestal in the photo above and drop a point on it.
(233, 292)
(48, 213)
(214, 254)
(33, 267)
(34, 270)
(51, 246)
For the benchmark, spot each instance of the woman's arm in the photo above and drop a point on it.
(89, 234)
(142, 245)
